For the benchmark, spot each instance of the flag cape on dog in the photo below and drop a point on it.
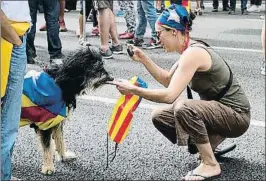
(42, 101)
(122, 115)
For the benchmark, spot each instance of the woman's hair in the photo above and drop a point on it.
(176, 17)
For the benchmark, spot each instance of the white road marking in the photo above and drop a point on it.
(238, 49)
(148, 106)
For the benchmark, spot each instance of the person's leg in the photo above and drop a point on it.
(61, 16)
(128, 7)
(105, 25)
(51, 15)
(163, 119)
(11, 107)
(202, 4)
(258, 2)
(141, 28)
(232, 7)
(225, 5)
(244, 7)
(215, 5)
(150, 12)
(30, 48)
(194, 118)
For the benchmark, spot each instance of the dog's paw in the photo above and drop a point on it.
(48, 170)
(69, 156)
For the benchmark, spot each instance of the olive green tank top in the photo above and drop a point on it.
(209, 83)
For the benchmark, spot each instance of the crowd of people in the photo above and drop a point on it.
(170, 23)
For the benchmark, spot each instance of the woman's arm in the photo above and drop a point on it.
(159, 74)
(7, 31)
(192, 60)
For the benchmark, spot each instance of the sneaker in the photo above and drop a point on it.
(120, 34)
(244, 12)
(226, 9)
(107, 54)
(215, 10)
(127, 36)
(254, 9)
(262, 68)
(232, 11)
(62, 26)
(58, 59)
(136, 42)
(43, 28)
(152, 44)
(118, 49)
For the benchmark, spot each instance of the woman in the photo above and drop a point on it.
(218, 115)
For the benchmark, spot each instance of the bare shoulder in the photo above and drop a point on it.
(198, 57)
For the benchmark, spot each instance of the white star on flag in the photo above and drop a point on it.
(173, 16)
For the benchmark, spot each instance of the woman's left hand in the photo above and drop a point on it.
(124, 86)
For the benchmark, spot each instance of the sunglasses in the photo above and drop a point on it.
(158, 33)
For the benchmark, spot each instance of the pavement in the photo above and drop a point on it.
(145, 154)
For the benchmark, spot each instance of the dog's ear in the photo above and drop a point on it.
(95, 52)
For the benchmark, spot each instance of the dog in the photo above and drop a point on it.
(49, 95)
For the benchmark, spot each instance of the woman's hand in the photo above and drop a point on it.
(124, 86)
(139, 55)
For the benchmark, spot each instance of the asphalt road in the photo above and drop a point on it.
(146, 154)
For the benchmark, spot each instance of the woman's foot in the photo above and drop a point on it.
(204, 171)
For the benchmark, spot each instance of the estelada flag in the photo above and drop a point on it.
(185, 3)
(122, 114)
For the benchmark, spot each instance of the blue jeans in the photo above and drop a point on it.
(11, 107)
(51, 15)
(146, 11)
(243, 5)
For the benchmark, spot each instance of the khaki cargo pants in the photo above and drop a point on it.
(199, 119)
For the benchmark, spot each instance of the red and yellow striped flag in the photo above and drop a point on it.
(122, 114)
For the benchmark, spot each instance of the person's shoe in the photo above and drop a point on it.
(67, 10)
(262, 68)
(136, 42)
(127, 36)
(95, 31)
(244, 12)
(118, 49)
(226, 9)
(232, 12)
(151, 44)
(120, 34)
(30, 60)
(254, 9)
(62, 26)
(106, 54)
(43, 28)
(198, 11)
(58, 59)
(215, 10)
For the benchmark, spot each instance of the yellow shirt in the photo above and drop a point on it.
(6, 51)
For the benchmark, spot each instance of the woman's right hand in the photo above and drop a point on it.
(138, 54)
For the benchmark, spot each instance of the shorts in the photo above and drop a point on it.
(103, 4)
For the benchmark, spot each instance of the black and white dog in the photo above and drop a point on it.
(79, 71)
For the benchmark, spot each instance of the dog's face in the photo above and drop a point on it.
(80, 70)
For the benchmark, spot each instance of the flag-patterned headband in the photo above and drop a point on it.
(174, 17)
